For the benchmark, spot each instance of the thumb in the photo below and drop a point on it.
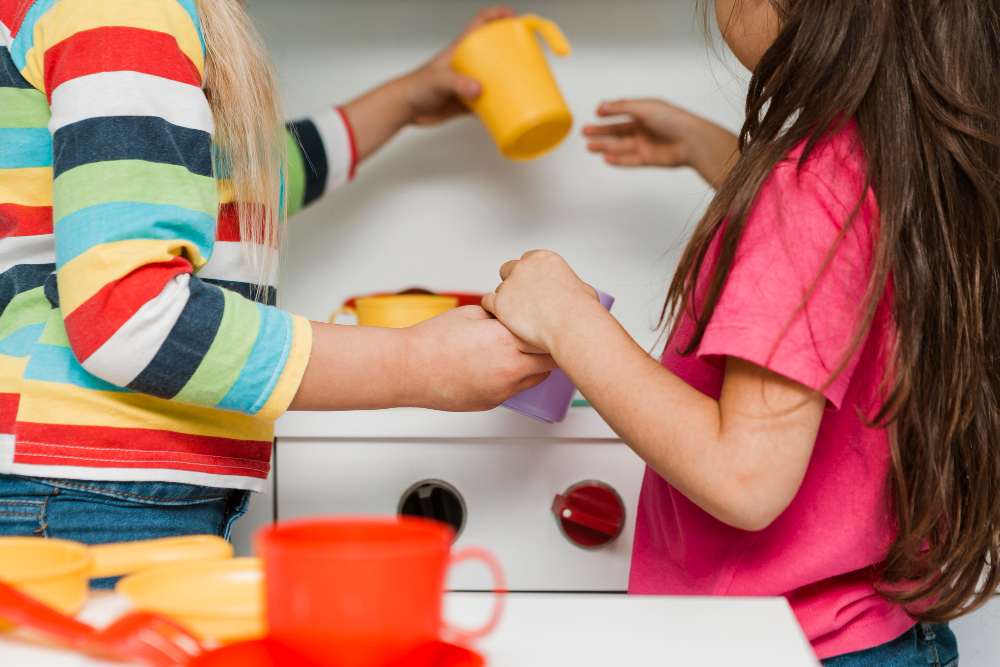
(463, 86)
(490, 302)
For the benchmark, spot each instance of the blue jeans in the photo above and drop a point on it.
(101, 512)
(923, 645)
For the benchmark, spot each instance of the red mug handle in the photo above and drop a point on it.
(461, 635)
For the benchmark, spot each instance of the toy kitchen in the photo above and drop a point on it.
(442, 209)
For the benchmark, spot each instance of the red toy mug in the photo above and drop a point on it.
(363, 592)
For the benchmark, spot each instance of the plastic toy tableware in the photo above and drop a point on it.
(56, 572)
(520, 103)
(269, 653)
(144, 638)
(219, 600)
(362, 592)
(396, 310)
(550, 401)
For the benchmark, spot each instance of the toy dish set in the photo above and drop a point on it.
(329, 592)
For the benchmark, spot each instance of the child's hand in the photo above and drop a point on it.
(538, 296)
(432, 91)
(662, 135)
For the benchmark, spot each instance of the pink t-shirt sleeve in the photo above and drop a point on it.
(766, 313)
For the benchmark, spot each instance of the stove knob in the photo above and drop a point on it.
(434, 499)
(590, 514)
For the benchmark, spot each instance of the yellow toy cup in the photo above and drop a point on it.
(520, 103)
(57, 572)
(221, 600)
(397, 310)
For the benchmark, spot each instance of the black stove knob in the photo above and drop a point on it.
(434, 499)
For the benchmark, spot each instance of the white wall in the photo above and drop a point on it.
(441, 208)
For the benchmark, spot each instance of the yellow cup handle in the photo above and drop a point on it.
(345, 309)
(550, 32)
(112, 560)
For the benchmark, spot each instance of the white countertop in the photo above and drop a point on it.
(551, 630)
(583, 422)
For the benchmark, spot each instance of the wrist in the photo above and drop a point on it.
(711, 151)
(569, 324)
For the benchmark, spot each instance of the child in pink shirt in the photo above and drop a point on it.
(822, 424)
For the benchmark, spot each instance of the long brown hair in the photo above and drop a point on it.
(922, 80)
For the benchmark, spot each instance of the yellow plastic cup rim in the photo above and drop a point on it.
(405, 301)
(157, 590)
(19, 563)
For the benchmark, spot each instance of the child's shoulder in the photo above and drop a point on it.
(836, 165)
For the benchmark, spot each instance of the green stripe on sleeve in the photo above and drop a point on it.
(226, 356)
(132, 181)
(23, 107)
(296, 173)
(25, 309)
(54, 332)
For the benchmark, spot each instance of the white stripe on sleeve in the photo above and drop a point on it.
(130, 94)
(337, 144)
(133, 346)
(229, 263)
(38, 249)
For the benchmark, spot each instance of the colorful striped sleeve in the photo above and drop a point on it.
(322, 156)
(135, 209)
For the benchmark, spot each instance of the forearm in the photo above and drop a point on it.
(377, 116)
(726, 464)
(352, 368)
(714, 150)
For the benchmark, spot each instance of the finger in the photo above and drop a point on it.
(624, 160)
(486, 15)
(507, 268)
(611, 130)
(620, 146)
(630, 107)
(489, 303)
(532, 252)
(532, 381)
(462, 86)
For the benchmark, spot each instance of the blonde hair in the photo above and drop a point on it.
(249, 145)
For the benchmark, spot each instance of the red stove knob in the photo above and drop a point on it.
(590, 514)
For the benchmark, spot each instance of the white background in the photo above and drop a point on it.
(440, 208)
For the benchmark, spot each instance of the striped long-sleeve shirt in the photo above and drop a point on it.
(132, 344)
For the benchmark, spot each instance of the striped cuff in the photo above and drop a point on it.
(291, 376)
(340, 147)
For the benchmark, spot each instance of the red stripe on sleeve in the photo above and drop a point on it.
(16, 220)
(117, 49)
(228, 228)
(8, 412)
(12, 14)
(354, 144)
(97, 319)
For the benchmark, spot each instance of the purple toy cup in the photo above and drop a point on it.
(550, 400)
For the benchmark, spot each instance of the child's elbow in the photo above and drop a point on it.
(753, 512)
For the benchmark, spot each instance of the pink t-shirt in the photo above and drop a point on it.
(822, 552)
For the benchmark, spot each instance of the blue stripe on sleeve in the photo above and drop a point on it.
(119, 221)
(187, 344)
(263, 368)
(25, 37)
(25, 147)
(108, 138)
(51, 363)
(19, 343)
(9, 76)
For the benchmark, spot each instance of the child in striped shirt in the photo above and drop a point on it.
(142, 359)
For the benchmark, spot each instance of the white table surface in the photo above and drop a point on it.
(549, 630)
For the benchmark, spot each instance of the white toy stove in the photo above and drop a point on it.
(554, 502)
